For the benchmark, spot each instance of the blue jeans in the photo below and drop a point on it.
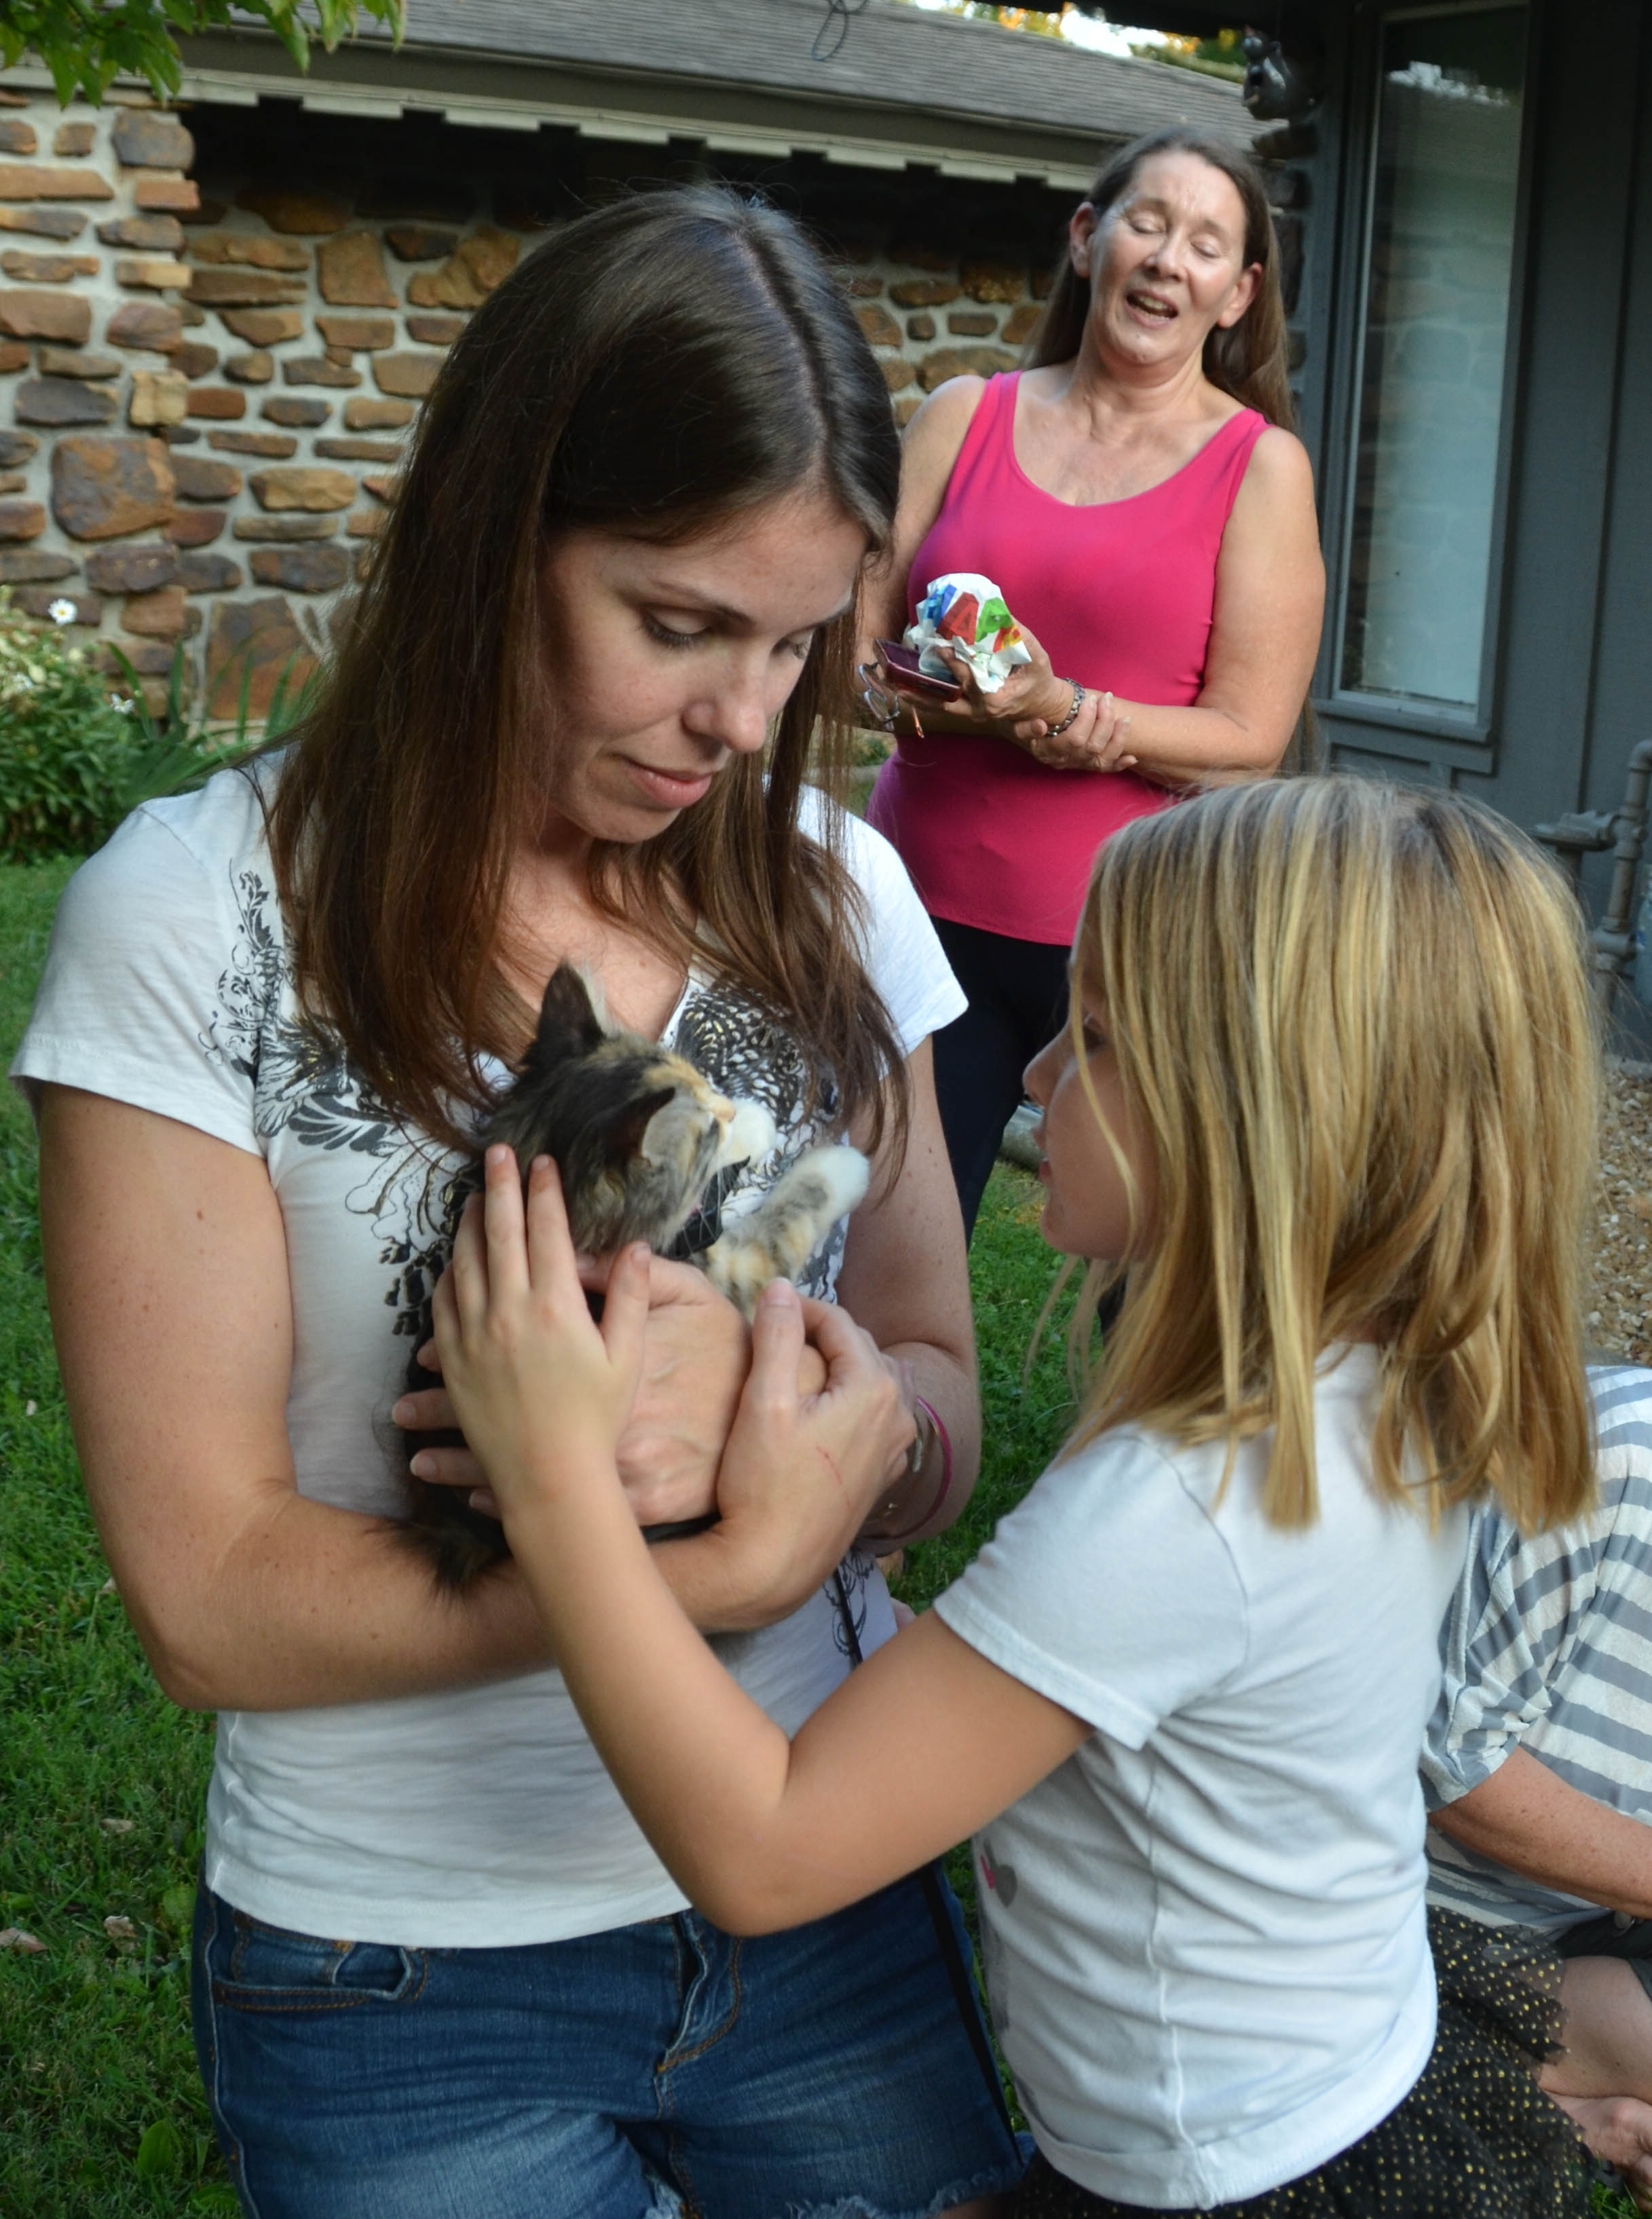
(822, 2074)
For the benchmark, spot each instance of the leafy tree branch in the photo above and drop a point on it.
(87, 44)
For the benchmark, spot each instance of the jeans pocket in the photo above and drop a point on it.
(272, 1968)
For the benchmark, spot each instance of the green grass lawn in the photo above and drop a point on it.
(101, 1781)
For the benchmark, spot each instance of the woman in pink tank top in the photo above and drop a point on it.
(1139, 501)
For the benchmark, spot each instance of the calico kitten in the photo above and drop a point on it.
(639, 1135)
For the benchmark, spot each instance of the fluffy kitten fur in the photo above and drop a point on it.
(639, 1135)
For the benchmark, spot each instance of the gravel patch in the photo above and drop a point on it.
(1620, 1318)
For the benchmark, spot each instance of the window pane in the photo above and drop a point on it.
(1442, 240)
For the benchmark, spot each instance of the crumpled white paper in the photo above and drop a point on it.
(967, 613)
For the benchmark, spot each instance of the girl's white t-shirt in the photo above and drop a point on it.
(480, 1815)
(1204, 1934)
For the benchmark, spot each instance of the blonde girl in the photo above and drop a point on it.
(1328, 1091)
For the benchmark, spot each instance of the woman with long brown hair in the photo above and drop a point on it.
(1138, 496)
(437, 1969)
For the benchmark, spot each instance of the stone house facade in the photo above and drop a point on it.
(216, 325)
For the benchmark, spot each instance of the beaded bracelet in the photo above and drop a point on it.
(1055, 731)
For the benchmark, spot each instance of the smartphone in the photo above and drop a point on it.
(901, 663)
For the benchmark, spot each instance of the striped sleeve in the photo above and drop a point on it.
(1548, 1647)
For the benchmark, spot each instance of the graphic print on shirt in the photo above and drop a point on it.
(999, 1881)
(304, 1084)
(1001, 1878)
(301, 1074)
(749, 1056)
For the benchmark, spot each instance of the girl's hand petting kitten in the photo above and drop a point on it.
(543, 1391)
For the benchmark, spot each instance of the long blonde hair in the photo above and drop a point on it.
(1353, 1023)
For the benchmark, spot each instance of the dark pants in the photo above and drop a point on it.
(1017, 993)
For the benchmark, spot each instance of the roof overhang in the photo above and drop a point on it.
(483, 91)
(905, 88)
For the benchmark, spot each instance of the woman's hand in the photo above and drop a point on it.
(1098, 739)
(543, 1391)
(696, 1353)
(801, 1472)
(1031, 701)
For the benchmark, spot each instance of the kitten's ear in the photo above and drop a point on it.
(569, 1025)
(623, 1139)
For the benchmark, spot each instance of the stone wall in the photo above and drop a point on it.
(208, 367)
(204, 406)
(932, 315)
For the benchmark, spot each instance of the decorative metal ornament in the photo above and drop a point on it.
(1277, 86)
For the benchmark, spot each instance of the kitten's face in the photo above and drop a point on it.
(638, 1133)
(698, 1117)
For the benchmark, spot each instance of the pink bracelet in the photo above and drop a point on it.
(945, 1439)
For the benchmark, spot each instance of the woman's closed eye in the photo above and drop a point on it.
(673, 635)
(683, 634)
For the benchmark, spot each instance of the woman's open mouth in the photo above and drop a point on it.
(1151, 309)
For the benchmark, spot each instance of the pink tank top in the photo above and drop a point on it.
(1119, 593)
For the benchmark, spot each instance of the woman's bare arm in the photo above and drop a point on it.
(1528, 1818)
(166, 1272)
(1264, 634)
(167, 1276)
(905, 1279)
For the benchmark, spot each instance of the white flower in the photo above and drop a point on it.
(117, 701)
(62, 612)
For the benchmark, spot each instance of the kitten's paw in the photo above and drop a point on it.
(843, 1175)
(777, 1239)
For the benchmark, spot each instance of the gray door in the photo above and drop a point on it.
(1484, 456)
